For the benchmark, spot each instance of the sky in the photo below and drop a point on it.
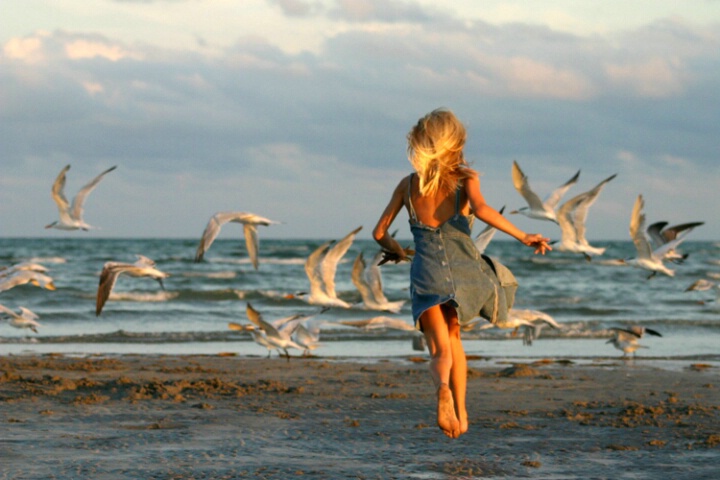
(298, 110)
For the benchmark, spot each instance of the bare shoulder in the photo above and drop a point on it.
(472, 178)
(404, 184)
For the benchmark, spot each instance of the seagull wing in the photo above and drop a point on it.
(28, 314)
(676, 231)
(554, 198)
(637, 229)
(7, 311)
(373, 276)
(358, 279)
(486, 234)
(328, 267)
(252, 243)
(79, 200)
(313, 267)
(210, 233)
(58, 195)
(108, 277)
(654, 233)
(579, 207)
(520, 181)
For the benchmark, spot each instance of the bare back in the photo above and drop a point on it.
(434, 210)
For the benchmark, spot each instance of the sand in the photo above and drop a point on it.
(223, 417)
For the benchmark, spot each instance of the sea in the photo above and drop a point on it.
(192, 314)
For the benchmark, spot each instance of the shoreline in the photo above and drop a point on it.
(227, 416)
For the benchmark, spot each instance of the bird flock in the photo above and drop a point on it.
(656, 245)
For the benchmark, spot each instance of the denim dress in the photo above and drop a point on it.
(448, 268)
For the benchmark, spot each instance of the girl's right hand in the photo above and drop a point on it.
(389, 256)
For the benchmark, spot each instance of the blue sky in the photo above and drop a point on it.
(297, 110)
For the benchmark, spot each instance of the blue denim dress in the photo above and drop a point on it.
(448, 268)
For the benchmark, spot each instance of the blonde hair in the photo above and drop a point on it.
(435, 150)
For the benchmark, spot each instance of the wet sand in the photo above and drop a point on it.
(224, 417)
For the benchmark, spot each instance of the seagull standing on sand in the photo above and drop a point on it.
(647, 258)
(320, 268)
(71, 215)
(144, 267)
(572, 216)
(368, 280)
(626, 339)
(249, 222)
(25, 319)
(538, 209)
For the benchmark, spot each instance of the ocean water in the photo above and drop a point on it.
(191, 315)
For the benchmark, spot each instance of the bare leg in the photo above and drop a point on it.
(458, 372)
(437, 335)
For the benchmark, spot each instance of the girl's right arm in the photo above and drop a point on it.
(380, 232)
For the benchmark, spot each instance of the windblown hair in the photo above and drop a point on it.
(435, 150)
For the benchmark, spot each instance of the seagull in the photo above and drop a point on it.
(250, 221)
(482, 240)
(31, 266)
(143, 267)
(659, 235)
(25, 319)
(538, 320)
(572, 216)
(702, 285)
(71, 215)
(647, 258)
(307, 336)
(320, 268)
(280, 336)
(537, 209)
(626, 339)
(368, 281)
(22, 277)
(532, 322)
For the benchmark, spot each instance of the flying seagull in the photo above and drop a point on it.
(249, 222)
(144, 267)
(320, 268)
(538, 209)
(572, 216)
(71, 215)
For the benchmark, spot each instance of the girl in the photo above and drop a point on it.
(450, 282)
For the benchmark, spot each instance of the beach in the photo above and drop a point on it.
(227, 416)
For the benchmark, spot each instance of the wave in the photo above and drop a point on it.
(47, 260)
(214, 275)
(162, 296)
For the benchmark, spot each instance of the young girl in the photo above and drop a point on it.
(450, 282)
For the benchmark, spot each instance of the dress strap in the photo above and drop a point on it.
(413, 216)
(457, 200)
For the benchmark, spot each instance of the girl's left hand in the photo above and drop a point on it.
(537, 241)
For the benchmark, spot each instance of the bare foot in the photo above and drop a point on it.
(463, 423)
(446, 418)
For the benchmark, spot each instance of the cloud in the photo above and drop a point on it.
(298, 8)
(390, 11)
(319, 137)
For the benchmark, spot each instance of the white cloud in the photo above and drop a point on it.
(255, 125)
